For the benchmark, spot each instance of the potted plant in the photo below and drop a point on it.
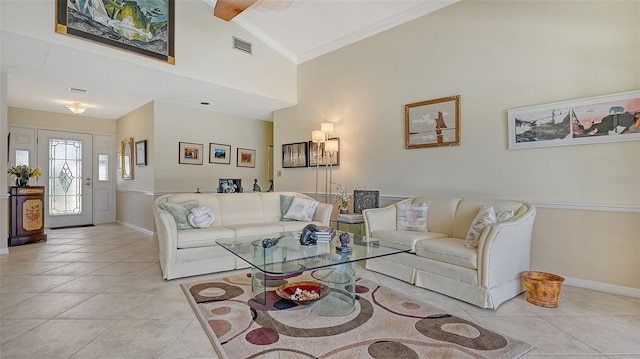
(23, 174)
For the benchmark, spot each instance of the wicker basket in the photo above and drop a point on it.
(543, 289)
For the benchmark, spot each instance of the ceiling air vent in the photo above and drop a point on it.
(242, 45)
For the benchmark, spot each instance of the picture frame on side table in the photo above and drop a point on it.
(246, 158)
(190, 153)
(610, 118)
(365, 199)
(433, 123)
(141, 153)
(219, 153)
(295, 155)
(154, 39)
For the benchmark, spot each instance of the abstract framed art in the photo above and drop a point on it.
(189, 153)
(219, 153)
(323, 158)
(433, 123)
(294, 155)
(609, 118)
(246, 158)
(144, 27)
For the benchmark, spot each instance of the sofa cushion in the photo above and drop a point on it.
(408, 238)
(468, 209)
(285, 203)
(240, 208)
(448, 250)
(203, 237)
(302, 209)
(442, 210)
(486, 216)
(412, 217)
(251, 229)
(180, 212)
(295, 226)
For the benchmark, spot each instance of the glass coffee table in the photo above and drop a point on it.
(288, 258)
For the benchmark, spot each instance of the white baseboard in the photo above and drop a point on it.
(602, 287)
(137, 228)
(4, 251)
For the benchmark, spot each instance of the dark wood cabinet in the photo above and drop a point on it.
(27, 215)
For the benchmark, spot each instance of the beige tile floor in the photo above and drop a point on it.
(98, 292)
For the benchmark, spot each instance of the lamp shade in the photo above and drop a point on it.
(331, 146)
(317, 136)
(326, 127)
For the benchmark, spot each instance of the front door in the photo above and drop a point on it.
(65, 159)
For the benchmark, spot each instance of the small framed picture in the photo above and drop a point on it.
(219, 153)
(141, 153)
(246, 158)
(189, 153)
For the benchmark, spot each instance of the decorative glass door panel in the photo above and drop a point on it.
(65, 158)
(65, 177)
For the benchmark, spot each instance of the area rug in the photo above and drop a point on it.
(385, 324)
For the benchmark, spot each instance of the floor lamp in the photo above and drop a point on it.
(317, 137)
(331, 147)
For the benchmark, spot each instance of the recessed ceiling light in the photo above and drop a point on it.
(205, 103)
(73, 89)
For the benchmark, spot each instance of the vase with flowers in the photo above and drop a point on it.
(344, 198)
(23, 174)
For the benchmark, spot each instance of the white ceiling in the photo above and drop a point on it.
(299, 29)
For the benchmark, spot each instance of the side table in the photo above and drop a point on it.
(355, 227)
(27, 215)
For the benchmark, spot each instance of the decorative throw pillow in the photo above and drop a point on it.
(180, 211)
(412, 217)
(504, 215)
(486, 216)
(201, 217)
(285, 203)
(302, 209)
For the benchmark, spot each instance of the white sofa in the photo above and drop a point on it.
(191, 252)
(439, 260)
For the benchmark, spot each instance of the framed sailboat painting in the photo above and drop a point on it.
(145, 27)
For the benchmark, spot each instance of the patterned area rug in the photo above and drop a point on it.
(385, 324)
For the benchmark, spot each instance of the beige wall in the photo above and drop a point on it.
(4, 197)
(175, 124)
(496, 56)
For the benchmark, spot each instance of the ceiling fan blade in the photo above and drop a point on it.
(228, 9)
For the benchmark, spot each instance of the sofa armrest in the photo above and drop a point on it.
(376, 219)
(504, 249)
(167, 235)
(323, 213)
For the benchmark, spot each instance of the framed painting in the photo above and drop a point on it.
(608, 118)
(141, 153)
(433, 123)
(147, 28)
(323, 158)
(294, 155)
(246, 158)
(364, 199)
(189, 153)
(219, 153)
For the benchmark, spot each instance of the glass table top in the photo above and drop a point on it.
(289, 256)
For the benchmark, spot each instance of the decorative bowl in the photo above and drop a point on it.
(286, 290)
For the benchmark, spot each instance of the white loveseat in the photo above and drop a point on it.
(189, 252)
(484, 276)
